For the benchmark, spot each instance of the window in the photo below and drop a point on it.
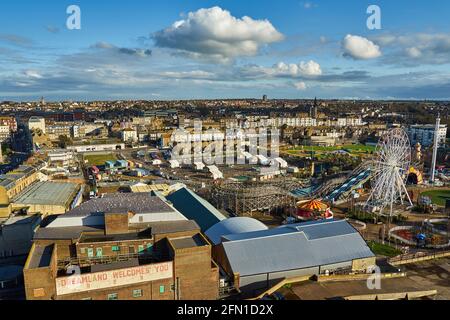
(162, 289)
(113, 296)
(137, 293)
(115, 248)
(99, 252)
(90, 252)
(141, 249)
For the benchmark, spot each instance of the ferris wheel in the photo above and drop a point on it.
(390, 168)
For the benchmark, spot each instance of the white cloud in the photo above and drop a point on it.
(307, 69)
(413, 52)
(310, 69)
(195, 74)
(416, 48)
(216, 35)
(300, 86)
(308, 5)
(360, 48)
(32, 74)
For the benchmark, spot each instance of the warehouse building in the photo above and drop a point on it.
(133, 247)
(257, 260)
(48, 198)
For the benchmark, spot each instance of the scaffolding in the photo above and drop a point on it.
(246, 198)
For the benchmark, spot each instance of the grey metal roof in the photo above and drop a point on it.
(121, 203)
(47, 193)
(232, 226)
(195, 208)
(295, 247)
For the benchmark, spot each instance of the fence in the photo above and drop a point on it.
(417, 257)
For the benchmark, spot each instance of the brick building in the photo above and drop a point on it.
(143, 249)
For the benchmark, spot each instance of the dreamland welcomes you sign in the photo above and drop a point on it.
(101, 280)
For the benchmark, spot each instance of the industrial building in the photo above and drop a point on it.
(256, 258)
(48, 198)
(132, 247)
(14, 183)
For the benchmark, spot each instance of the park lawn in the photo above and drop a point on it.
(383, 249)
(99, 159)
(321, 152)
(438, 197)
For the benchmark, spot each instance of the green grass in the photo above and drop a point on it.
(438, 197)
(383, 249)
(99, 159)
(353, 148)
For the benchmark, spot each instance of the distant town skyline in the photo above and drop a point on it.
(224, 49)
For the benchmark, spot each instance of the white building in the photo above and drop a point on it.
(424, 134)
(5, 133)
(61, 156)
(35, 123)
(129, 135)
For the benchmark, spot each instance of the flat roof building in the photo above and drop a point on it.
(48, 197)
(119, 257)
(259, 259)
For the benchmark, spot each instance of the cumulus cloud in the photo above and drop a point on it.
(415, 49)
(310, 69)
(307, 69)
(215, 34)
(360, 48)
(300, 86)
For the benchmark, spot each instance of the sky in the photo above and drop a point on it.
(199, 49)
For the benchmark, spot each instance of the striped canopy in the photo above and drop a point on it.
(313, 205)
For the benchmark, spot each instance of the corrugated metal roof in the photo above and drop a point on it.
(295, 247)
(47, 193)
(231, 226)
(195, 208)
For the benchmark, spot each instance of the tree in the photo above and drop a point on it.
(64, 141)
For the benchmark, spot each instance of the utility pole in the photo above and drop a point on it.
(435, 148)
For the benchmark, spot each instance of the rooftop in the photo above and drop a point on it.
(64, 232)
(40, 256)
(188, 242)
(47, 193)
(121, 203)
(294, 247)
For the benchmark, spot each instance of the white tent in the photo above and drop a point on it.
(199, 166)
(174, 164)
(263, 160)
(216, 173)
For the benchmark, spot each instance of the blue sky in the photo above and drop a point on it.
(147, 49)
